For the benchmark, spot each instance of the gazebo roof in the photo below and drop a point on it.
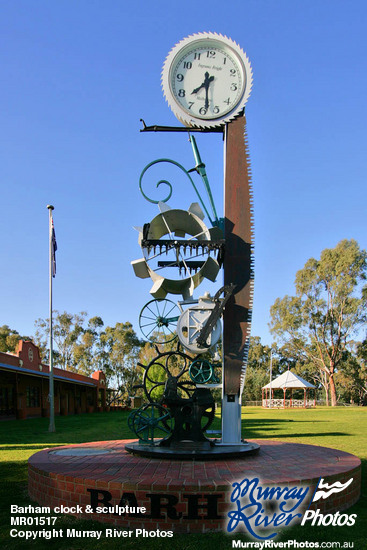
(289, 380)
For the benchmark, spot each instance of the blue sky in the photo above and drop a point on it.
(77, 76)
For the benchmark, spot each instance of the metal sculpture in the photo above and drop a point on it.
(191, 323)
(201, 371)
(238, 270)
(158, 320)
(167, 365)
(152, 423)
(180, 381)
(173, 394)
(188, 272)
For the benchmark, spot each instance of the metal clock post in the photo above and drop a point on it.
(238, 270)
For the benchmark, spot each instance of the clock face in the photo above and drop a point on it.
(206, 79)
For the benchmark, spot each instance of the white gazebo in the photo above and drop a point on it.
(287, 381)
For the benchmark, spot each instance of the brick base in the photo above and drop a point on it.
(182, 496)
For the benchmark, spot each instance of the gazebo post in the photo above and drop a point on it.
(284, 390)
(304, 397)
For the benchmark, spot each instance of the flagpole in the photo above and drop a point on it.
(51, 427)
(271, 375)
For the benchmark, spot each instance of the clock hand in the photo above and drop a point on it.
(198, 88)
(207, 81)
(206, 104)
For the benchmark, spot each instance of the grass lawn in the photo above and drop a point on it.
(342, 428)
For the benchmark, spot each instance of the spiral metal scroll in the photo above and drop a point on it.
(166, 182)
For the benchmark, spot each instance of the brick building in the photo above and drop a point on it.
(24, 386)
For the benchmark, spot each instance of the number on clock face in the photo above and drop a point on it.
(207, 82)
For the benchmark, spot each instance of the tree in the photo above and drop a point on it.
(297, 361)
(361, 381)
(122, 350)
(349, 379)
(67, 330)
(9, 339)
(330, 307)
(84, 347)
(89, 354)
(258, 369)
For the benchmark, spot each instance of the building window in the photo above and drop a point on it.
(78, 397)
(6, 401)
(33, 397)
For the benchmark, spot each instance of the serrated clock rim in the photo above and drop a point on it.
(177, 110)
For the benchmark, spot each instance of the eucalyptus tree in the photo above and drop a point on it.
(67, 330)
(261, 359)
(89, 354)
(361, 380)
(84, 346)
(122, 347)
(327, 311)
(9, 339)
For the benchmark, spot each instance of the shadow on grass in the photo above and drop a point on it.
(284, 428)
(69, 429)
(301, 434)
(281, 421)
(13, 471)
(364, 483)
(25, 447)
(254, 434)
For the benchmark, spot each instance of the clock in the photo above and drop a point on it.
(206, 79)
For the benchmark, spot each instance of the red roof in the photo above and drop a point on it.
(27, 358)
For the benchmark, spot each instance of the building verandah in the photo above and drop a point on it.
(24, 386)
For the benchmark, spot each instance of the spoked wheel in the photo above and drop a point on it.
(172, 364)
(158, 321)
(152, 423)
(201, 371)
(130, 420)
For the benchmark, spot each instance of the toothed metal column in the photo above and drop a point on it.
(238, 269)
